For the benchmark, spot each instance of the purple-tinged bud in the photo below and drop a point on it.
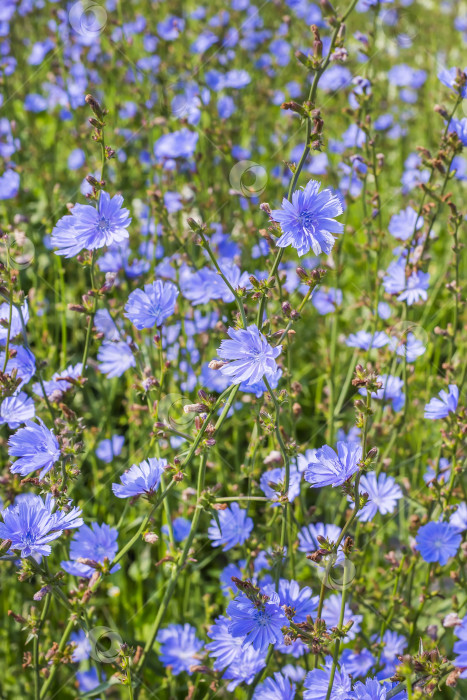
(95, 106)
(327, 8)
(42, 592)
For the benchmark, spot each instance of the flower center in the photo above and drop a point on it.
(261, 618)
(28, 539)
(308, 221)
(103, 224)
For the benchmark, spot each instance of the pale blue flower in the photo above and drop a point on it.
(36, 447)
(152, 306)
(89, 228)
(308, 221)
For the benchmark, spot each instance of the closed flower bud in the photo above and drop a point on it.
(216, 364)
(327, 8)
(195, 408)
(150, 537)
(95, 106)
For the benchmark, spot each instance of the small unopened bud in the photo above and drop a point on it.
(88, 562)
(216, 364)
(286, 308)
(150, 537)
(95, 106)
(195, 408)
(96, 123)
(5, 546)
(317, 44)
(452, 620)
(42, 592)
(92, 181)
(327, 8)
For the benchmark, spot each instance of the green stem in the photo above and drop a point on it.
(35, 652)
(61, 647)
(338, 640)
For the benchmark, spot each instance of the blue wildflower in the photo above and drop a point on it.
(440, 474)
(87, 680)
(326, 301)
(178, 144)
(251, 356)
(307, 222)
(437, 542)
(37, 448)
(277, 688)
(17, 409)
(95, 542)
(326, 468)
(446, 404)
(76, 159)
(412, 289)
(308, 536)
(394, 645)
(107, 449)
(224, 648)
(235, 527)
(170, 28)
(370, 690)
(259, 625)
(450, 78)
(115, 358)
(383, 495)
(409, 347)
(82, 650)
(460, 647)
(357, 663)
(141, 478)
(300, 601)
(60, 383)
(331, 614)
(9, 184)
(459, 126)
(152, 306)
(404, 224)
(180, 648)
(89, 228)
(317, 682)
(458, 519)
(366, 341)
(391, 390)
(180, 527)
(272, 484)
(30, 524)
(15, 327)
(22, 360)
(244, 668)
